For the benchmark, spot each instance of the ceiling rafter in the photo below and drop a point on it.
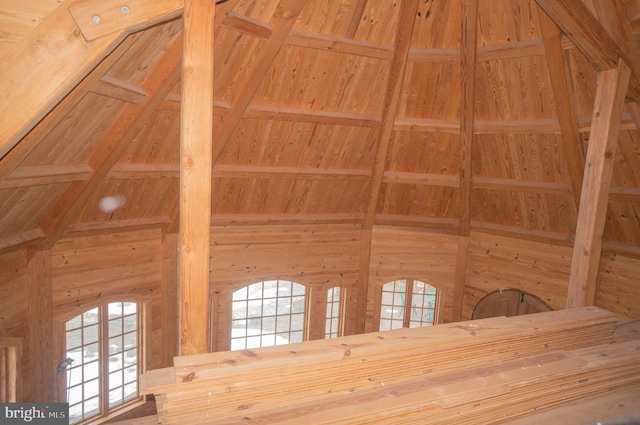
(402, 44)
(26, 96)
(594, 41)
(21, 151)
(132, 118)
(282, 21)
(558, 74)
(468, 51)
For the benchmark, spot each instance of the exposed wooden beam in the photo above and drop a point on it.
(247, 25)
(610, 92)
(558, 74)
(131, 224)
(510, 50)
(357, 10)
(468, 49)
(402, 44)
(594, 41)
(339, 44)
(423, 124)
(196, 138)
(131, 120)
(262, 172)
(98, 18)
(531, 126)
(442, 180)
(625, 194)
(282, 113)
(34, 175)
(522, 233)
(54, 49)
(529, 186)
(260, 219)
(41, 326)
(148, 171)
(117, 89)
(282, 21)
(433, 55)
(21, 240)
(21, 151)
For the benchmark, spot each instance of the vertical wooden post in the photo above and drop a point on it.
(196, 138)
(610, 94)
(41, 327)
(170, 298)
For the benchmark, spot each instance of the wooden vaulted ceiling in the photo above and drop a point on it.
(451, 115)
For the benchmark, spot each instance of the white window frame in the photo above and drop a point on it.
(396, 308)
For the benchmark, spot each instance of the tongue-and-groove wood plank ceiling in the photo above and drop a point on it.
(311, 130)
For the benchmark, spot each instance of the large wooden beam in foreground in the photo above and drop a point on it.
(196, 138)
(474, 372)
(610, 93)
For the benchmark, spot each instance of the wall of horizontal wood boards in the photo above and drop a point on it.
(618, 288)
(14, 310)
(411, 254)
(496, 262)
(318, 256)
(96, 269)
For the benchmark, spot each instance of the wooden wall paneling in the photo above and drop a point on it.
(618, 288)
(400, 254)
(460, 278)
(495, 262)
(41, 327)
(105, 267)
(14, 316)
(365, 288)
(611, 90)
(318, 256)
(19, 19)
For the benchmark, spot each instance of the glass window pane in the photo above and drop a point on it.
(130, 323)
(130, 390)
(74, 339)
(91, 370)
(115, 327)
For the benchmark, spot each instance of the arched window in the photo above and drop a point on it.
(268, 313)
(102, 347)
(407, 303)
(333, 327)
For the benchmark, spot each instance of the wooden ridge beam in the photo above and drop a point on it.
(97, 18)
(22, 150)
(54, 49)
(196, 139)
(575, 19)
(610, 91)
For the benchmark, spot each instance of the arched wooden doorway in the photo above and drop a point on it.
(508, 302)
